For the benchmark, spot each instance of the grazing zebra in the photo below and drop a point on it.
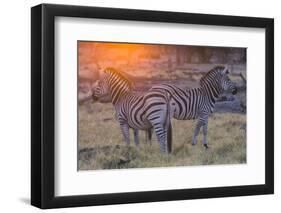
(198, 103)
(136, 110)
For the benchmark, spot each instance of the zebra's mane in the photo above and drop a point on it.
(213, 72)
(120, 75)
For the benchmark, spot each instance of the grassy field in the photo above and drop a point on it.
(101, 144)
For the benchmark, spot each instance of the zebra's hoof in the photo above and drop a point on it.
(206, 146)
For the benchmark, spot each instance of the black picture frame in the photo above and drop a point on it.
(43, 102)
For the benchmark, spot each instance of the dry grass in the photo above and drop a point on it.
(101, 144)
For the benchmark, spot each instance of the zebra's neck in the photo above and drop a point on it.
(212, 90)
(118, 90)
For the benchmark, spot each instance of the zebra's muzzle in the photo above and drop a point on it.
(234, 91)
(95, 98)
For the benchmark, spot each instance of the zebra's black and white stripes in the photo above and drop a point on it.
(136, 110)
(198, 103)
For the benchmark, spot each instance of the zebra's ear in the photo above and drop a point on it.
(101, 71)
(94, 85)
(225, 71)
(105, 70)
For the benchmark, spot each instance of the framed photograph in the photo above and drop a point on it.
(139, 106)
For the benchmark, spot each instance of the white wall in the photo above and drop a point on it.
(15, 105)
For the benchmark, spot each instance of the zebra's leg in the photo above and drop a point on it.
(125, 132)
(136, 137)
(202, 121)
(161, 135)
(196, 132)
(157, 122)
(204, 141)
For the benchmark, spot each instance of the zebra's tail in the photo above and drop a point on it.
(148, 136)
(169, 138)
(168, 124)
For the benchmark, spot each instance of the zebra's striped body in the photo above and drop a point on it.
(198, 103)
(139, 111)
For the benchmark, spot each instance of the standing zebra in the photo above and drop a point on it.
(139, 111)
(198, 103)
